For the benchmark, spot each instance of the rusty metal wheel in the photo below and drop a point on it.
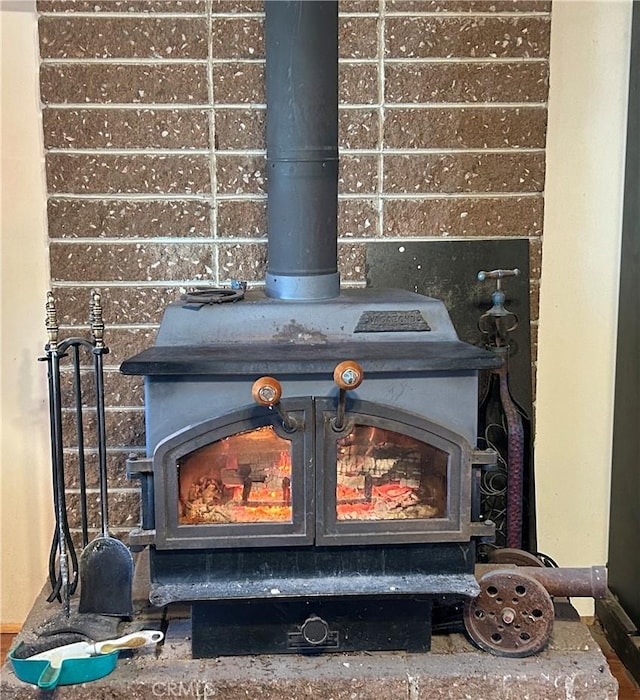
(509, 555)
(512, 616)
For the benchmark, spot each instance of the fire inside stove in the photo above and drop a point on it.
(383, 475)
(246, 478)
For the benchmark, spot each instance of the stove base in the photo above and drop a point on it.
(230, 628)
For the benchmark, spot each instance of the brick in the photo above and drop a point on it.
(237, 83)
(534, 300)
(150, 6)
(235, 38)
(242, 219)
(237, 6)
(133, 262)
(468, 6)
(358, 84)
(124, 509)
(124, 83)
(466, 82)
(122, 429)
(240, 174)
(130, 174)
(358, 37)
(351, 262)
(461, 127)
(119, 390)
(372, 6)
(358, 128)
(358, 174)
(116, 470)
(454, 173)
(125, 128)
(98, 218)
(535, 258)
(507, 216)
(126, 342)
(67, 36)
(243, 261)
(358, 218)
(467, 37)
(240, 129)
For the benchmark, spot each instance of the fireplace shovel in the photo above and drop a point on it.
(106, 564)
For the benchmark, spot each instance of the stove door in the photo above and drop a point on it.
(230, 481)
(389, 476)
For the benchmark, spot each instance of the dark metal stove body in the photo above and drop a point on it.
(409, 430)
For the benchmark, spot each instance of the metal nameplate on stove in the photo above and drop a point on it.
(391, 322)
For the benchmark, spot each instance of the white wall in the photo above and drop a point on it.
(580, 273)
(25, 472)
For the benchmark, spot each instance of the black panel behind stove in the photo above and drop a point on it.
(447, 270)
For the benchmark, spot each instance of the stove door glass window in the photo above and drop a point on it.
(385, 475)
(243, 478)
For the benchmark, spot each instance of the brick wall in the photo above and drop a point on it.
(153, 118)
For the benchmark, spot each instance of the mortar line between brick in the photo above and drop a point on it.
(94, 450)
(346, 240)
(240, 152)
(260, 15)
(381, 113)
(122, 15)
(147, 61)
(249, 106)
(213, 219)
(112, 489)
(132, 196)
(109, 409)
(240, 197)
(202, 106)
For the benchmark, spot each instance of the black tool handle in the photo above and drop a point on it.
(97, 331)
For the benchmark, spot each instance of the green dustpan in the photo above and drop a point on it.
(78, 662)
(71, 671)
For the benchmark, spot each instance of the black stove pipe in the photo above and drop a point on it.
(302, 148)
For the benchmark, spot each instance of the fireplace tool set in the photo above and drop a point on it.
(105, 568)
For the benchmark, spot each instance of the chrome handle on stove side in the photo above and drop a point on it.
(347, 375)
(267, 391)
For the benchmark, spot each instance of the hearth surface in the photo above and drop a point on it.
(571, 667)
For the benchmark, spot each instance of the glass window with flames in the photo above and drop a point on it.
(244, 478)
(385, 475)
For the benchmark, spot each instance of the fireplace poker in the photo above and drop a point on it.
(64, 579)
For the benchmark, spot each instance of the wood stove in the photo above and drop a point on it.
(245, 502)
(311, 478)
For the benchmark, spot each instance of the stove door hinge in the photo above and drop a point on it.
(484, 459)
(481, 460)
(141, 468)
(138, 466)
(139, 539)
